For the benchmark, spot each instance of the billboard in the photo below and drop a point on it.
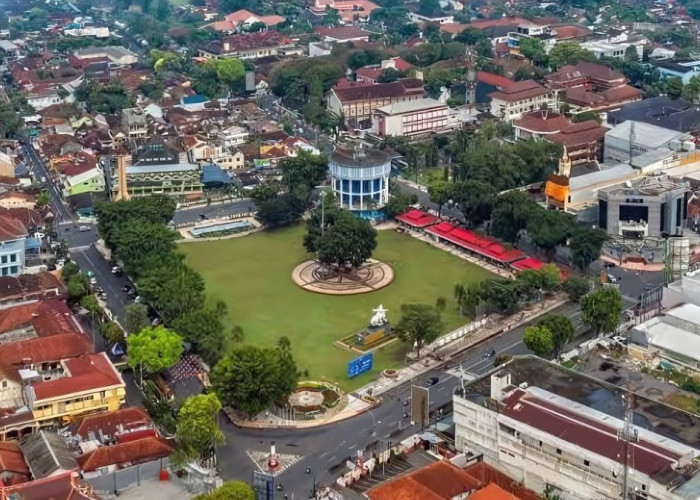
(420, 406)
(360, 365)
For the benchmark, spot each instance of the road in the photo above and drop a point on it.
(325, 449)
(192, 215)
(424, 199)
(39, 171)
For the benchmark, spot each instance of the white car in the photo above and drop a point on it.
(93, 281)
(620, 339)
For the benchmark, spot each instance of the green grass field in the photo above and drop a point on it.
(252, 275)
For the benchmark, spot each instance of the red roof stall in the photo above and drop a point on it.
(417, 219)
(469, 240)
(528, 263)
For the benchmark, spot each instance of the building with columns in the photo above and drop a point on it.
(360, 180)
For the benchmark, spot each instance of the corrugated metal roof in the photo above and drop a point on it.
(649, 135)
(610, 175)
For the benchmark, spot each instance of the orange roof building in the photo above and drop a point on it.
(241, 18)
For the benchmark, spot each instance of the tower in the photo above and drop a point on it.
(564, 164)
(123, 191)
(470, 64)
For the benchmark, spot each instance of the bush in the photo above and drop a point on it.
(330, 398)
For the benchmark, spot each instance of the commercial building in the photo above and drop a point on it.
(645, 207)
(411, 118)
(358, 103)
(614, 49)
(116, 54)
(662, 111)
(13, 243)
(631, 139)
(134, 123)
(251, 46)
(512, 101)
(360, 180)
(557, 431)
(90, 181)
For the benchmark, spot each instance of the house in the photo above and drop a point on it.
(43, 99)
(13, 237)
(13, 468)
(7, 165)
(26, 287)
(357, 104)
(17, 199)
(47, 455)
(67, 486)
(90, 181)
(251, 46)
(614, 48)
(121, 424)
(416, 17)
(412, 118)
(110, 458)
(115, 54)
(342, 34)
(580, 99)
(518, 98)
(134, 123)
(30, 218)
(242, 19)
(350, 11)
(583, 141)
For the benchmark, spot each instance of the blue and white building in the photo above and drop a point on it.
(13, 238)
(360, 180)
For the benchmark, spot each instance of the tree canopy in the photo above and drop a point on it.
(197, 430)
(230, 490)
(349, 242)
(154, 348)
(251, 378)
(564, 53)
(539, 339)
(420, 324)
(601, 309)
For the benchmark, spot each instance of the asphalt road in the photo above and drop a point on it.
(39, 171)
(424, 199)
(325, 449)
(191, 215)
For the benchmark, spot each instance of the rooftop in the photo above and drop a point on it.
(113, 422)
(168, 168)
(248, 41)
(645, 186)
(398, 108)
(46, 454)
(409, 86)
(663, 111)
(518, 91)
(131, 453)
(66, 486)
(417, 218)
(482, 245)
(11, 228)
(47, 317)
(651, 136)
(342, 32)
(359, 158)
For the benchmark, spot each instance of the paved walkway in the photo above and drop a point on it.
(150, 490)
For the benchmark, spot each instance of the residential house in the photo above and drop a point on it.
(26, 287)
(350, 11)
(47, 455)
(357, 104)
(67, 486)
(416, 17)
(371, 74)
(13, 468)
(615, 48)
(242, 19)
(106, 459)
(43, 99)
(115, 54)
(13, 239)
(518, 98)
(201, 150)
(17, 199)
(583, 141)
(233, 135)
(134, 123)
(251, 46)
(90, 181)
(7, 165)
(342, 34)
(412, 118)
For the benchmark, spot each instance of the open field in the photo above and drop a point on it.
(252, 275)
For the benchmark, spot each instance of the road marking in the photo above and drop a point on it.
(331, 459)
(352, 447)
(79, 249)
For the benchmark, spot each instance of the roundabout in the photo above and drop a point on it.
(313, 276)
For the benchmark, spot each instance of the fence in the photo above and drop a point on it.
(123, 479)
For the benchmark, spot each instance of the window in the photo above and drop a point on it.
(4, 384)
(558, 451)
(586, 463)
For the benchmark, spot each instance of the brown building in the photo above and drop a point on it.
(357, 103)
(251, 46)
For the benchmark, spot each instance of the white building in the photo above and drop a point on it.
(511, 102)
(631, 139)
(419, 18)
(13, 236)
(116, 54)
(614, 49)
(96, 31)
(410, 118)
(563, 445)
(134, 123)
(43, 100)
(360, 180)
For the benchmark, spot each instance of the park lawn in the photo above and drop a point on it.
(252, 275)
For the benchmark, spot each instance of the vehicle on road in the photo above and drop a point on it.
(84, 229)
(432, 381)
(93, 281)
(489, 354)
(608, 265)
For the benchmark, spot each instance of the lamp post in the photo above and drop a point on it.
(374, 423)
(313, 478)
(323, 211)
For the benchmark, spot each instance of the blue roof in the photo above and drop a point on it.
(193, 99)
(213, 174)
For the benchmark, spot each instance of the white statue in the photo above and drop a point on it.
(379, 317)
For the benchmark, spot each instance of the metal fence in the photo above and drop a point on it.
(120, 480)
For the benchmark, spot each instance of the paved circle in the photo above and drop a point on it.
(313, 276)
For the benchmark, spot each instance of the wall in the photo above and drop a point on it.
(123, 479)
(10, 394)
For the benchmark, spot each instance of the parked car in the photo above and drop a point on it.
(83, 229)
(608, 265)
(621, 340)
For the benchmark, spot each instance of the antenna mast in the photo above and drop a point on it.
(627, 434)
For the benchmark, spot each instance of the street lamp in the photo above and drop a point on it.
(313, 478)
(323, 211)
(374, 423)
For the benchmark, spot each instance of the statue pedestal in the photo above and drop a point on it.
(373, 334)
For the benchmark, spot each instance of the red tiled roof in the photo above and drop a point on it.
(12, 459)
(487, 474)
(565, 74)
(579, 135)
(48, 317)
(621, 93)
(18, 194)
(132, 452)
(570, 31)
(583, 97)
(542, 122)
(417, 218)
(492, 492)
(249, 41)
(394, 89)
(10, 286)
(26, 216)
(113, 422)
(482, 24)
(518, 91)
(437, 481)
(453, 28)
(67, 486)
(71, 169)
(370, 73)
(482, 245)
(589, 434)
(44, 349)
(528, 263)
(241, 16)
(87, 372)
(492, 79)
(342, 32)
(402, 65)
(11, 228)
(599, 71)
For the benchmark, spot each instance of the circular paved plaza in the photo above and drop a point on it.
(313, 276)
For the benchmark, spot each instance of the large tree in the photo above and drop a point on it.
(349, 242)
(281, 210)
(251, 378)
(136, 318)
(576, 287)
(539, 339)
(203, 327)
(230, 490)
(197, 431)
(564, 53)
(586, 245)
(420, 324)
(142, 246)
(173, 290)
(561, 328)
(510, 214)
(154, 349)
(302, 173)
(601, 309)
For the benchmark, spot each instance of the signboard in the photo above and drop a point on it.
(420, 406)
(263, 485)
(360, 365)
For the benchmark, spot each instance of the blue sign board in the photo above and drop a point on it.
(360, 365)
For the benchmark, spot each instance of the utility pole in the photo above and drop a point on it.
(627, 434)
